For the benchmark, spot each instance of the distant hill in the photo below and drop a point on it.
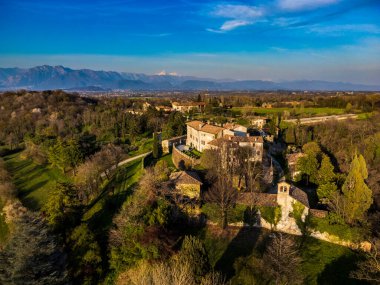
(59, 77)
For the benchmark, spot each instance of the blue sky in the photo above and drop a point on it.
(335, 40)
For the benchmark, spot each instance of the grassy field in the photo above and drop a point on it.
(33, 181)
(101, 211)
(168, 159)
(306, 111)
(323, 262)
(144, 146)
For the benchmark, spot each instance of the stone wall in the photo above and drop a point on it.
(167, 145)
(183, 161)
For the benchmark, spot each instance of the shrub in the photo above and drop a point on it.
(235, 215)
(271, 214)
(341, 230)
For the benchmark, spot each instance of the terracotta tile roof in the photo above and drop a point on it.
(185, 177)
(216, 142)
(203, 127)
(232, 126)
(292, 158)
(258, 199)
(244, 139)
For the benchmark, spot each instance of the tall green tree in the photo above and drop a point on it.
(325, 179)
(63, 207)
(85, 257)
(193, 252)
(363, 166)
(357, 195)
(308, 165)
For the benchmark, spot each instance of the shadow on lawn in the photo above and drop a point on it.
(338, 271)
(242, 245)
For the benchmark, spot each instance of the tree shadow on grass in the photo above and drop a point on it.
(31, 203)
(338, 271)
(31, 189)
(101, 221)
(242, 245)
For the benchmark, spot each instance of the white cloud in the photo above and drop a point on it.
(233, 24)
(239, 15)
(237, 12)
(304, 4)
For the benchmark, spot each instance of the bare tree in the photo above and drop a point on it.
(281, 260)
(224, 196)
(222, 193)
(369, 269)
(213, 278)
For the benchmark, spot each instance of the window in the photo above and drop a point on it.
(203, 142)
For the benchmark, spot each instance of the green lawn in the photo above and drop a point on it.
(99, 214)
(144, 145)
(34, 182)
(306, 111)
(168, 159)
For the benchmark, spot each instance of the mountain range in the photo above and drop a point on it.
(58, 77)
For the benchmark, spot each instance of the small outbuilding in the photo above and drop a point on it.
(187, 183)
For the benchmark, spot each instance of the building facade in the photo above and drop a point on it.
(184, 107)
(199, 134)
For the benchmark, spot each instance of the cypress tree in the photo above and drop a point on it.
(358, 196)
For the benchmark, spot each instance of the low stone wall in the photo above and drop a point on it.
(167, 145)
(364, 245)
(183, 161)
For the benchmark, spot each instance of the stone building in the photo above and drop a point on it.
(292, 160)
(287, 197)
(235, 141)
(199, 134)
(187, 183)
(184, 107)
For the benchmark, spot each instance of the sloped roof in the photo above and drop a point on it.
(299, 195)
(292, 158)
(258, 199)
(185, 177)
(203, 127)
(232, 126)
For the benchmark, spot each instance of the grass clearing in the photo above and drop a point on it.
(34, 182)
(168, 158)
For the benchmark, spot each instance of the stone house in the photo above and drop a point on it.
(235, 141)
(187, 183)
(258, 122)
(199, 134)
(184, 107)
(235, 130)
(292, 160)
